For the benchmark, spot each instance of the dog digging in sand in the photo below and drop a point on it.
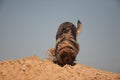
(67, 47)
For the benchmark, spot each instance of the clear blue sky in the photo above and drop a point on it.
(28, 27)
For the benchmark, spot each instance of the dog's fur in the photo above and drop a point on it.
(67, 47)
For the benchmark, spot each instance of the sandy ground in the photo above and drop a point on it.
(33, 68)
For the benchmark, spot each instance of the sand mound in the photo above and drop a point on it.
(33, 68)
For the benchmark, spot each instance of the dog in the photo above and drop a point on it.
(67, 47)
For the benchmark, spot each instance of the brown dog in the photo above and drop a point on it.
(67, 47)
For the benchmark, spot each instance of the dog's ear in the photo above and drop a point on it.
(79, 27)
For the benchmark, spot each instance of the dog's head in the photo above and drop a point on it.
(66, 52)
(66, 56)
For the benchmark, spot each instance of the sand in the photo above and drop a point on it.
(33, 68)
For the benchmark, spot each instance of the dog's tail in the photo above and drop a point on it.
(79, 27)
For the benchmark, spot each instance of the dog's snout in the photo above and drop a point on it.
(63, 56)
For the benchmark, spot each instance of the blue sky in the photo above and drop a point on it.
(28, 27)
